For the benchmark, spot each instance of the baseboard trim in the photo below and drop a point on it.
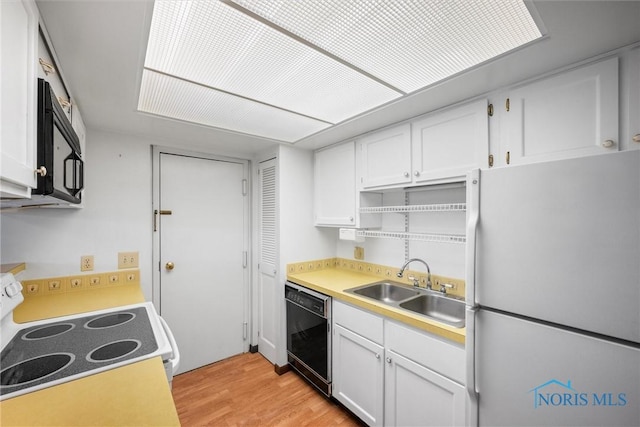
(281, 369)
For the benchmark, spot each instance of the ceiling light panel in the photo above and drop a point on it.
(215, 45)
(182, 100)
(411, 43)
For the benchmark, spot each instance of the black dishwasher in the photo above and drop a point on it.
(309, 334)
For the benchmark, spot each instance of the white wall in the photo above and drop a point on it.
(300, 240)
(116, 216)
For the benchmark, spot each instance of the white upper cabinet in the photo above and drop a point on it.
(335, 186)
(18, 90)
(386, 157)
(450, 143)
(439, 147)
(569, 115)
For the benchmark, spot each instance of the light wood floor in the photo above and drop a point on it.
(244, 390)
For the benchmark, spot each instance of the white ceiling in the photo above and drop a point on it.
(101, 47)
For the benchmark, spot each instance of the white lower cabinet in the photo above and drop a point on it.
(358, 372)
(391, 374)
(417, 396)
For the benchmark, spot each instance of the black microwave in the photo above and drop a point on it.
(60, 165)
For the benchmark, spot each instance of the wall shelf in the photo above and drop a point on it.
(444, 207)
(423, 237)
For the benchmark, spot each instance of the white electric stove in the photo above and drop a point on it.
(45, 353)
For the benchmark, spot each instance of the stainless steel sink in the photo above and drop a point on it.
(441, 308)
(386, 292)
(420, 301)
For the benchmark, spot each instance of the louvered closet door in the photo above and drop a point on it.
(268, 260)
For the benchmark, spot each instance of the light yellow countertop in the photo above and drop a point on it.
(55, 305)
(334, 281)
(133, 395)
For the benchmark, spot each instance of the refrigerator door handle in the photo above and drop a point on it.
(470, 368)
(473, 216)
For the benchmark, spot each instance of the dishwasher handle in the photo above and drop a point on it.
(175, 360)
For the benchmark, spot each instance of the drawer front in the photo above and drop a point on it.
(361, 322)
(442, 356)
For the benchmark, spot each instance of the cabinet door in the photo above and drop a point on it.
(358, 371)
(450, 143)
(417, 396)
(570, 115)
(48, 70)
(18, 44)
(386, 157)
(335, 186)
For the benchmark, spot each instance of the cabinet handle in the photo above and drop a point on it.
(46, 67)
(42, 171)
(417, 173)
(388, 359)
(636, 137)
(377, 355)
(64, 102)
(508, 157)
(351, 219)
(406, 174)
(608, 143)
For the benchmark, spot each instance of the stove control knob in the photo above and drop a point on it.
(13, 289)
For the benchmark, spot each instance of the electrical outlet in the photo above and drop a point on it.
(127, 260)
(86, 263)
(54, 285)
(75, 282)
(358, 253)
(130, 277)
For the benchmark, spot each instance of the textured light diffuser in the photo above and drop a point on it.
(170, 97)
(285, 69)
(409, 43)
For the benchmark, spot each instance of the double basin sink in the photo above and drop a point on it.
(425, 302)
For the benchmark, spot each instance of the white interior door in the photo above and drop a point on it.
(268, 260)
(201, 257)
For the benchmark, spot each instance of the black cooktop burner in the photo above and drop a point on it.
(114, 350)
(110, 320)
(48, 331)
(34, 369)
(40, 354)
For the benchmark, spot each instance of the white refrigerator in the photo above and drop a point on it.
(553, 293)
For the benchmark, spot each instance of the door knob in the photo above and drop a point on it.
(169, 265)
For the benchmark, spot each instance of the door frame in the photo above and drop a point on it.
(157, 151)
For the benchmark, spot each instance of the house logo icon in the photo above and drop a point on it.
(555, 393)
(559, 392)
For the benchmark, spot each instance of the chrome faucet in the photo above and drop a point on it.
(415, 281)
